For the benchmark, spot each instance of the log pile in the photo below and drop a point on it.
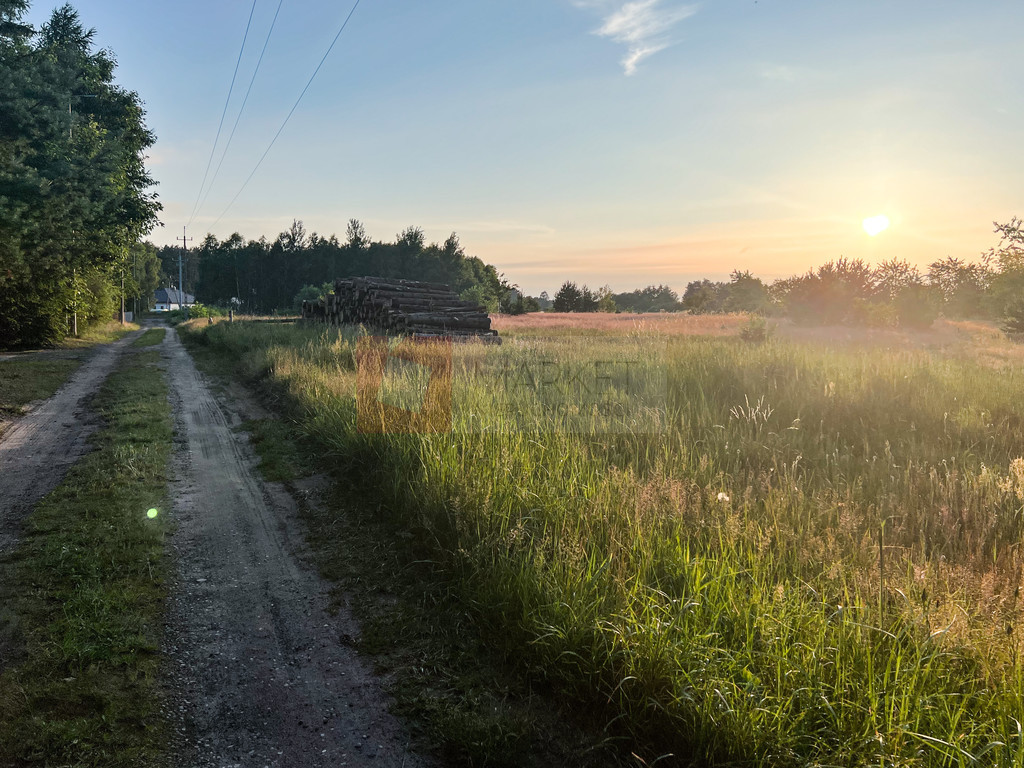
(407, 307)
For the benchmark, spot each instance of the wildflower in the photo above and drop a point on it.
(723, 498)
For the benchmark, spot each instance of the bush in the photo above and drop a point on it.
(1013, 321)
(755, 330)
(873, 314)
(916, 306)
(202, 310)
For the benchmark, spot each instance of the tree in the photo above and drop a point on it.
(894, 276)
(916, 305)
(412, 238)
(145, 274)
(311, 293)
(605, 299)
(511, 302)
(703, 297)
(74, 191)
(963, 286)
(836, 293)
(1007, 284)
(356, 235)
(266, 278)
(653, 298)
(294, 239)
(568, 298)
(745, 293)
(1013, 320)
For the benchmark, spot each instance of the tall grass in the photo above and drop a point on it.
(815, 560)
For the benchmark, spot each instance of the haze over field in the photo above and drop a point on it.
(612, 142)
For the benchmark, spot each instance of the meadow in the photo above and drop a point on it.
(804, 552)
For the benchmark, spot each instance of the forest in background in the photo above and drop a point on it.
(75, 195)
(259, 277)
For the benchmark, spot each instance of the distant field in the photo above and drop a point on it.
(814, 557)
(603, 322)
(942, 333)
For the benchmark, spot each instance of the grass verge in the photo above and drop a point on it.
(463, 700)
(25, 381)
(104, 333)
(82, 594)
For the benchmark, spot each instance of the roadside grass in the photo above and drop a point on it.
(282, 460)
(83, 592)
(816, 561)
(30, 377)
(103, 333)
(465, 701)
(23, 381)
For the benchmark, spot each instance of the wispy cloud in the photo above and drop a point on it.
(643, 26)
(778, 72)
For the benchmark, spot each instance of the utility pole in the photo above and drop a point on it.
(135, 280)
(181, 286)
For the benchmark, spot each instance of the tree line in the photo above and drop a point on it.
(261, 276)
(74, 190)
(845, 291)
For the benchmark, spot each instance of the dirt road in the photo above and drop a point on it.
(39, 448)
(260, 675)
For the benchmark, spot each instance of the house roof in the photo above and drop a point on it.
(173, 296)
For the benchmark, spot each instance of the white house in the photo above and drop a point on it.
(168, 299)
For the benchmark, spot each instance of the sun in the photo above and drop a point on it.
(876, 225)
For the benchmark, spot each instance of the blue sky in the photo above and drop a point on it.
(602, 141)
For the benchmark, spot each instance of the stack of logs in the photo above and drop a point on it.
(402, 306)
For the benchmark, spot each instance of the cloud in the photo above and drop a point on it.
(778, 72)
(644, 26)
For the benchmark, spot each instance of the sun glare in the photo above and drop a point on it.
(875, 225)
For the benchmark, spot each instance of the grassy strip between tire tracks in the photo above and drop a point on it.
(83, 592)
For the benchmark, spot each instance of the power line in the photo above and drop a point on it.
(289, 116)
(213, 149)
(227, 145)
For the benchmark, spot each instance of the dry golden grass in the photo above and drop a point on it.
(676, 324)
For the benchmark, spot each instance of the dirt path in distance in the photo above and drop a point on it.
(260, 674)
(38, 448)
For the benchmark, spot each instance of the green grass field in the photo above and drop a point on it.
(808, 554)
(81, 596)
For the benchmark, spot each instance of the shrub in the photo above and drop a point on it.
(755, 330)
(1013, 321)
(916, 306)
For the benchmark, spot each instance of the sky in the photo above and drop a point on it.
(600, 141)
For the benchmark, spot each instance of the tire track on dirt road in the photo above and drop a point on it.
(37, 451)
(258, 672)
